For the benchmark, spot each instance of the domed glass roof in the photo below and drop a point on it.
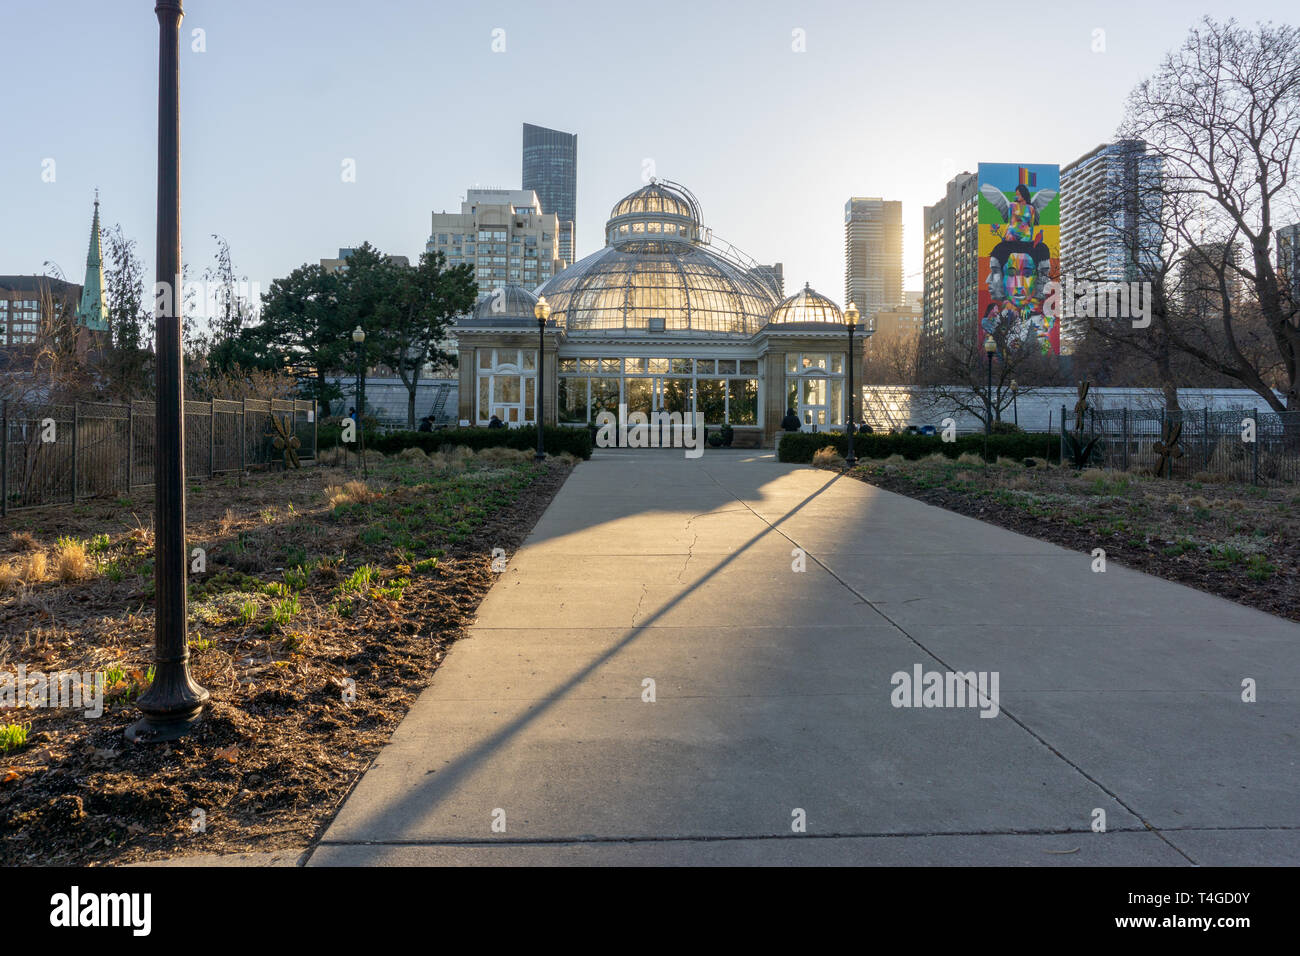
(506, 302)
(657, 275)
(635, 286)
(807, 308)
(657, 210)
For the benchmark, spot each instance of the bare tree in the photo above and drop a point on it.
(1223, 112)
(959, 376)
(130, 320)
(892, 360)
(1139, 217)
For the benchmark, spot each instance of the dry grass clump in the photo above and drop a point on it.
(36, 567)
(1019, 483)
(897, 459)
(970, 458)
(70, 561)
(499, 455)
(934, 458)
(1175, 501)
(827, 457)
(414, 453)
(1093, 474)
(23, 541)
(334, 457)
(353, 492)
(1235, 504)
(31, 568)
(1210, 478)
(140, 535)
(1197, 501)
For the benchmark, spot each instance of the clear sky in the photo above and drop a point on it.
(886, 99)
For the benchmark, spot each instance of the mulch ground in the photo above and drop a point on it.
(299, 707)
(1237, 541)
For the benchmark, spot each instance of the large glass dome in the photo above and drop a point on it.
(658, 274)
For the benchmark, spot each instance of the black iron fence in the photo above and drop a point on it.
(1242, 445)
(62, 453)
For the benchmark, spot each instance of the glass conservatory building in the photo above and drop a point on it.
(663, 318)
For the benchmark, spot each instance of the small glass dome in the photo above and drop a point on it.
(656, 197)
(656, 211)
(505, 302)
(807, 307)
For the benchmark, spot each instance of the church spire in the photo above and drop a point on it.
(92, 311)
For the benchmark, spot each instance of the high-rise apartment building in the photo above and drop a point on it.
(26, 302)
(503, 234)
(550, 160)
(873, 254)
(1288, 260)
(950, 296)
(1198, 278)
(1110, 218)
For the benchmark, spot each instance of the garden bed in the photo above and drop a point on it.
(1238, 541)
(323, 610)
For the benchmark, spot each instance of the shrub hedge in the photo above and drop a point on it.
(576, 441)
(799, 447)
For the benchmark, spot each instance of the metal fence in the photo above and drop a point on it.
(63, 453)
(1248, 446)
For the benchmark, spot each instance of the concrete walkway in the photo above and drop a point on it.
(1118, 692)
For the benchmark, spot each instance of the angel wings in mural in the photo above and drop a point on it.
(1021, 216)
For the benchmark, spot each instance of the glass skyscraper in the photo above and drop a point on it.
(551, 171)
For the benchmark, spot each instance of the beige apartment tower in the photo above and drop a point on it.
(503, 234)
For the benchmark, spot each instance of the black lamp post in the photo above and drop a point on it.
(990, 348)
(174, 702)
(543, 312)
(1015, 408)
(359, 337)
(851, 320)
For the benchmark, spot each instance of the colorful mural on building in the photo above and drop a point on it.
(1019, 254)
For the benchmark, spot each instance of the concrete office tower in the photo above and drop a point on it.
(550, 160)
(950, 297)
(873, 254)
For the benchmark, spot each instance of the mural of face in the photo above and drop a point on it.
(1017, 283)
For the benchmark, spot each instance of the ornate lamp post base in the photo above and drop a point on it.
(169, 712)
